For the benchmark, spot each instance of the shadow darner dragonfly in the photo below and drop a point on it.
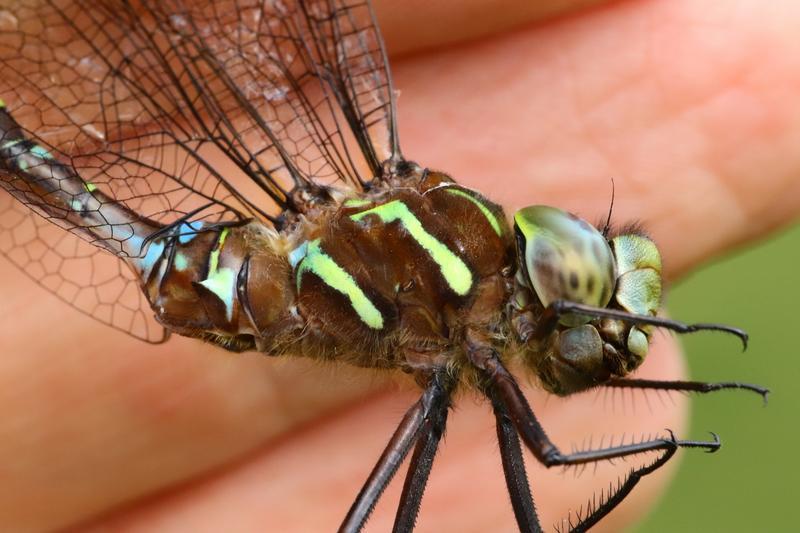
(237, 167)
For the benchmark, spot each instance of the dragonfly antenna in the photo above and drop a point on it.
(610, 210)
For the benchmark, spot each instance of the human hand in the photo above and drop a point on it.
(691, 110)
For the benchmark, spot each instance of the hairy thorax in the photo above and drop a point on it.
(391, 279)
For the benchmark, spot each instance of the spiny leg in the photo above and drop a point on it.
(686, 386)
(393, 455)
(420, 466)
(616, 496)
(514, 470)
(504, 387)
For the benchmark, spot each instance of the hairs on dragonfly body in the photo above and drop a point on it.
(392, 267)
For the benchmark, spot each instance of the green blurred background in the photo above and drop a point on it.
(751, 484)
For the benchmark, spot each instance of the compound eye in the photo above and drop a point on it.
(566, 258)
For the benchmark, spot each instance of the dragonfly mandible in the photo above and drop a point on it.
(315, 236)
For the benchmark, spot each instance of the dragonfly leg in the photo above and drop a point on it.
(686, 386)
(420, 466)
(614, 497)
(404, 437)
(501, 386)
(553, 312)
(514, 471)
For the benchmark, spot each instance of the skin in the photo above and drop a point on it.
(690, 106)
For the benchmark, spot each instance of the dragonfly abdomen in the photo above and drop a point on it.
(31, 173)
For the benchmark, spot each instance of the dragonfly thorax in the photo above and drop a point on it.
(397, 272)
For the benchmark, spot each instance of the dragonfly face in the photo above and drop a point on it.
(238, 162)
(565, 258)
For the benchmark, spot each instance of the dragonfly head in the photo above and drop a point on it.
(564, 258)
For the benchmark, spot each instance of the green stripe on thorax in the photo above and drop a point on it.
(485, 210)
(333, 275)
(221, 281)
(453, 269)
(213, 260)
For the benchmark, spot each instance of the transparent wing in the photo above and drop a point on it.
(217, 110)
(94, 282)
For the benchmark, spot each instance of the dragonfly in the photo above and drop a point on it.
(231, 171)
